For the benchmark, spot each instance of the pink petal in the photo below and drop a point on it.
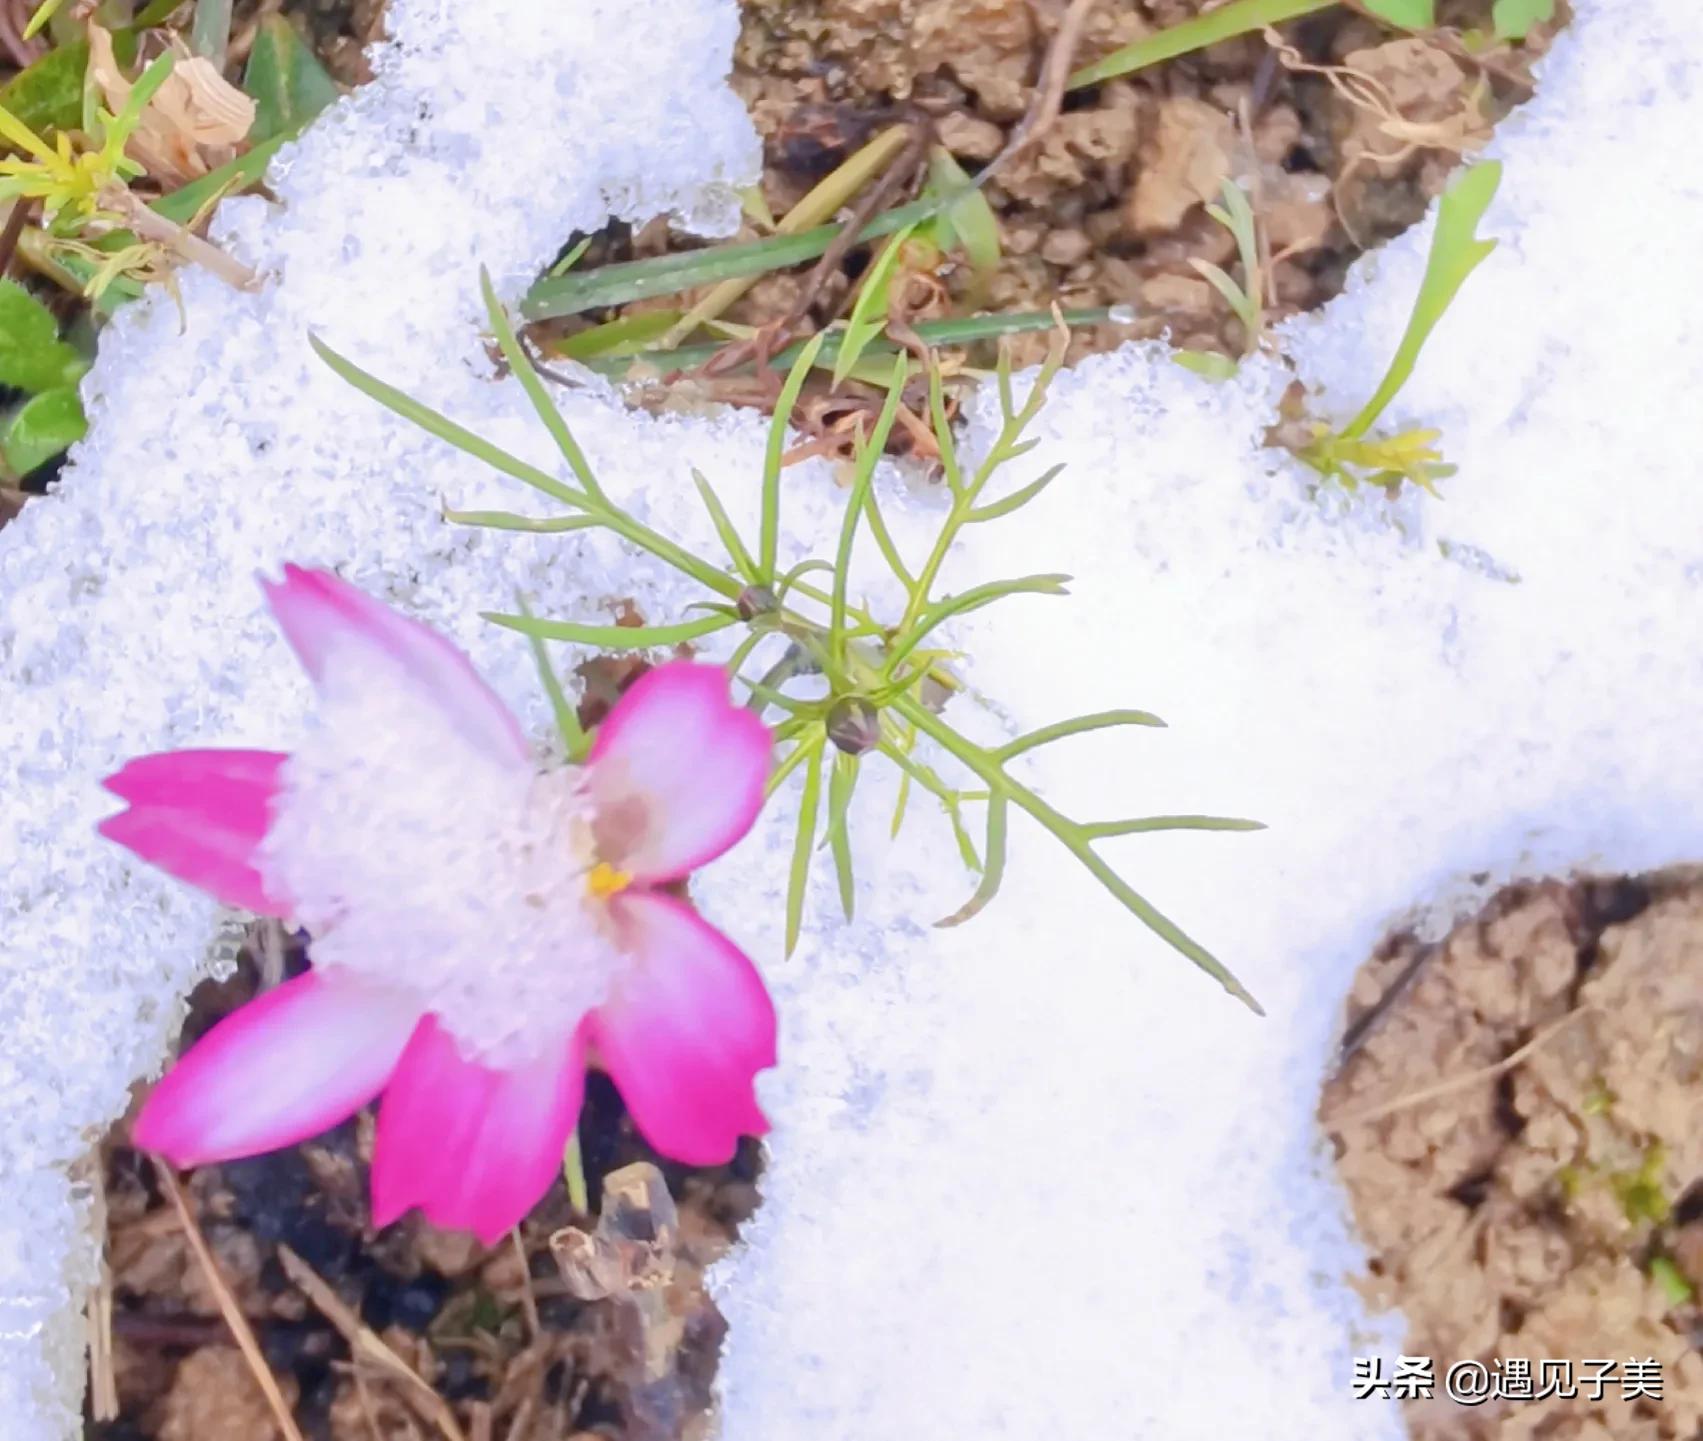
(200, 816)
(677, 772)
(472, 1147)
(291, 1063)
(320, 612)
(685, 1032)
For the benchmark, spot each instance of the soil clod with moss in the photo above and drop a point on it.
(1517, 1130)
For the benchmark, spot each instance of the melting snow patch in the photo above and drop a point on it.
(1034, 1175)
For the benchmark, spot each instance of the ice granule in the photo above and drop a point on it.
(1034, 1175)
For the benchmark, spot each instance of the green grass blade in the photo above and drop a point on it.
(626, 335)
(612, 637)
(966, 330)
(969, 220)
(557, 296)
(1238, 299)
(1405, 14)
(43, 13)
(942, 427)
(1237, 18)
(869, 313)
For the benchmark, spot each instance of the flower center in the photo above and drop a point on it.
(605, 881)
(469, 881)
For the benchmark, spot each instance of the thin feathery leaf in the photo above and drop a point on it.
(435, 423)
(869, 454)
(964, 603)
(994, 509)
(797, 574)
(520, 365)
(884, 541)
(806, 839)
(612, 637)
(794, 759)
(842, 781)
(574, 738)
(768, 538)
(725, 530)
(1101, 830)
(1077, 725)
(507, 520)
(993, 871)
(942, 427)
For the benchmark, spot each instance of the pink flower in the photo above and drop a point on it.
(481, 931)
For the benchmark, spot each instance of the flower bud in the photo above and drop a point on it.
(854, 725)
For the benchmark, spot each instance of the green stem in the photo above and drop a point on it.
(573, 1172)
(1237, 18)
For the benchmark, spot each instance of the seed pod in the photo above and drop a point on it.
(854, 725)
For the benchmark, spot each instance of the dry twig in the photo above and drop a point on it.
(103, 1384)
(1049, 90)
(366, 1345)
(1450, 1084)
(228, 1307)
(528, 1300)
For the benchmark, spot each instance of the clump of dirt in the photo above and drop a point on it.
(573, 1333)
(1516, 1124)
(1343, 135)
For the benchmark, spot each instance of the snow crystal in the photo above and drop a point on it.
(1034, 1175)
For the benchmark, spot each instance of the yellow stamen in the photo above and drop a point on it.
(605, 881)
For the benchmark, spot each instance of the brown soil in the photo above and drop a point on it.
(1109, 208)
(600, 1332)
(1517, 1130)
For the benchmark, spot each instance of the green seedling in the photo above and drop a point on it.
(1245, 299)
(874, 687)
(1513, 19)
(1352, 454)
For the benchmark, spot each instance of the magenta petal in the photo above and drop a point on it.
(200, 816)
(473, 1147)
(291, 1063)
(677, 772)
(320, 612)
(685, 1032)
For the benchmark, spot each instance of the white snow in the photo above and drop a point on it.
(1035, 1175)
